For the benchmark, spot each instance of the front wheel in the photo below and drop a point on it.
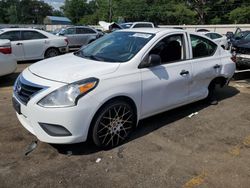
(113, 124)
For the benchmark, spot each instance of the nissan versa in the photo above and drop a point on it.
(102, 91)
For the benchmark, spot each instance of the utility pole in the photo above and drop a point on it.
(110, 10)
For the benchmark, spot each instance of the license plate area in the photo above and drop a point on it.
(16, 105)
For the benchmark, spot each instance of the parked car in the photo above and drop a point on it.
(8, 63)
(218, 38)
(104, 89)
(241, 47)
(130, 25)
(79, 35)
(32, 44)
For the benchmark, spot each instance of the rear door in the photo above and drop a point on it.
(17, 48)
(206, 65)
(85, 35)
(167, 85)
(70, 33)
(34, 44)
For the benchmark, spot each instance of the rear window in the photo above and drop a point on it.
(202, 47)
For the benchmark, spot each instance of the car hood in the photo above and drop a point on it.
(70, 68)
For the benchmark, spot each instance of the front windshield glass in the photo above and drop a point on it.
(126, 25)
(115, 47)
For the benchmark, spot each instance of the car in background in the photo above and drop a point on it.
(218, 38)
(8, 62)
(240, 42)
(79, 36)
(103, 90)
(33, 44)
(130, 25)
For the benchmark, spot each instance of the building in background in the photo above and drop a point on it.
(54, 22)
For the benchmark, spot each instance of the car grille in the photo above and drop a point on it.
(24, 91)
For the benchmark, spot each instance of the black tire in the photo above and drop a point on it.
(113, 124)
(51, 52)
(211, 90)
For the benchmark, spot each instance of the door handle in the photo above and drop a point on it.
(18, 44)
(184, 72)
(216, 66)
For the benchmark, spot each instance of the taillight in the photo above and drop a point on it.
(5, 50)
(67, 41)
(233, 58)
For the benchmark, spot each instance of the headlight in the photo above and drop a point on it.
(68, 95)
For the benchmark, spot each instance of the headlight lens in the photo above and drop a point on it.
(68, 95)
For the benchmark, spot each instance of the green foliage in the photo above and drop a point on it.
(24, 11)
(240, 15)
(174, 12)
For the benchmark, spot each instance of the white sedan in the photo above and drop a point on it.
(218, 38)
(8, 63)
(32, 44)
(103, 90)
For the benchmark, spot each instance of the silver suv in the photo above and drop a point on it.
(79, 35)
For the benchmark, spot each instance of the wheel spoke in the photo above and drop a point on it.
(104, 127)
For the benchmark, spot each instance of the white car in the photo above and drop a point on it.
(218, 38)
(32, 44)
(8, 63)
(130, 25)
(104, 89)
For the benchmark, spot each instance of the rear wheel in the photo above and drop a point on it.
(113, 124)
(51, 52)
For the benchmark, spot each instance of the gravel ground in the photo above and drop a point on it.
(211, 149)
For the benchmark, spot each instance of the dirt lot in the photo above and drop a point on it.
(211, 149)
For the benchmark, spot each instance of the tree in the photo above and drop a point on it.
(76, 9)
(240, 15)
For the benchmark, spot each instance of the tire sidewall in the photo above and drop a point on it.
(98, 117)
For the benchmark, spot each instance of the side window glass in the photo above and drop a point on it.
(32, 35)
(209, 35)
(143, 25)
(88, 31)
(218, 36)
(11, 35)
(247, 37)
(170, 49)
(70, 31)
(202, 47)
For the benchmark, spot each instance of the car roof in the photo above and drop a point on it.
(19, 29)
(149, 30)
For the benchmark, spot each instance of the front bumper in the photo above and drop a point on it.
(243, 60)
(75, 119)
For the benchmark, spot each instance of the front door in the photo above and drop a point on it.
(167, 85)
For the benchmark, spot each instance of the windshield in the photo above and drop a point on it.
(126, 25)
(115, 47)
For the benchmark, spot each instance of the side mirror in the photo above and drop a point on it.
(61, 34)
(154, 60)
(150, 61)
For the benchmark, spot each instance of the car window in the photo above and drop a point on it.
(32, 35)
(216, 36)
(126, 25)
(85, 31)
(202, 47)
(247, 37)
(11, 35)
(142, 25)
(170, 49)
(209, 35)
(116, 46)
(70, 31)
